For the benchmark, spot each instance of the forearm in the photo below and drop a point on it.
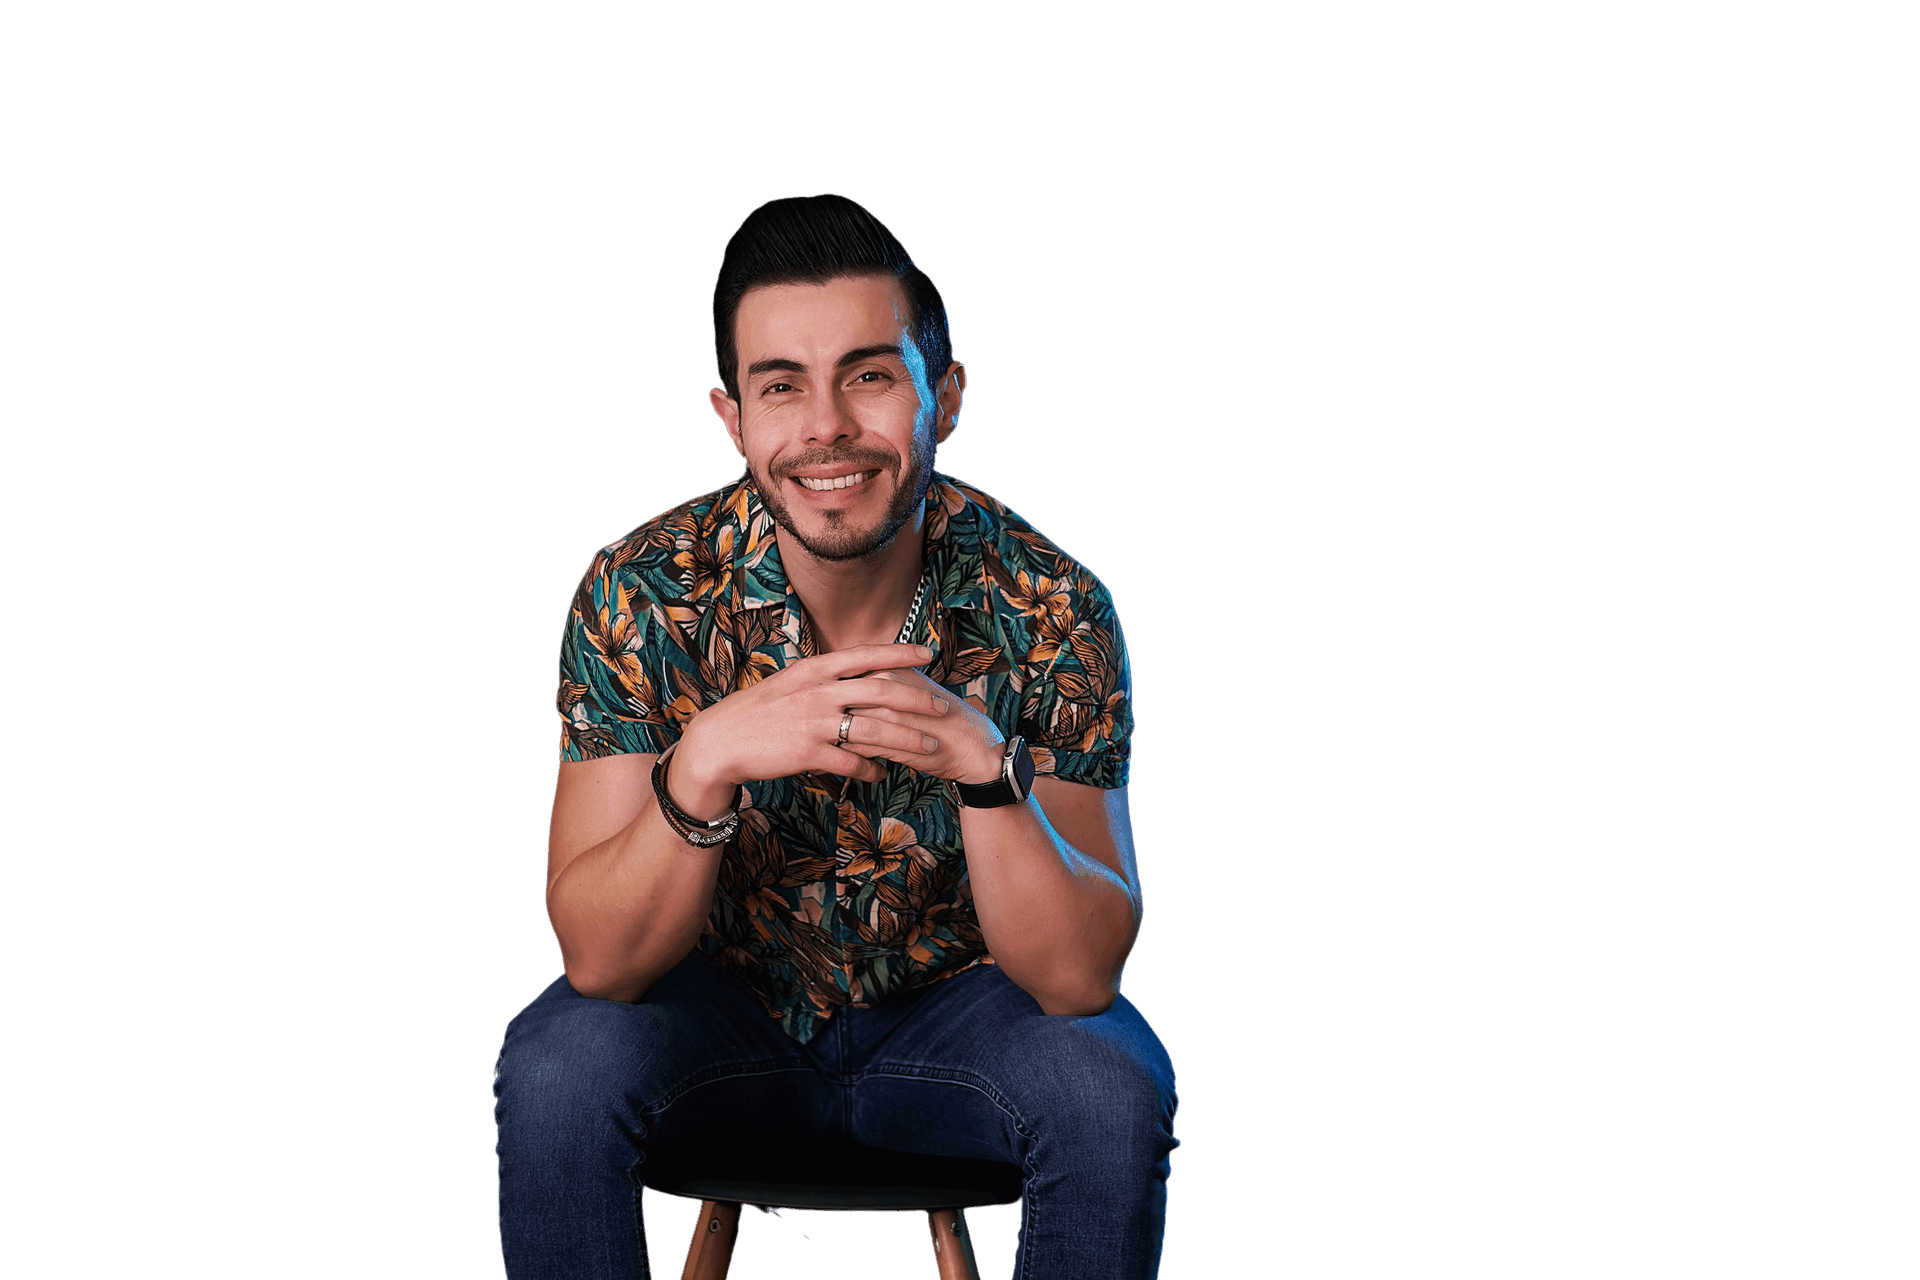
(1056, 920)
(631, 907)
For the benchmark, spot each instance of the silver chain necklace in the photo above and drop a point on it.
(913, 614)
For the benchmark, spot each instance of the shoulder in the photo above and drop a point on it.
(1065, 652)
(660, 557)
(1023, 565)
(630, 675)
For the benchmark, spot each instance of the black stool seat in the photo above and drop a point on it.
(788, 1169)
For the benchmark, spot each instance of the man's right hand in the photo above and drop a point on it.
(788, 724)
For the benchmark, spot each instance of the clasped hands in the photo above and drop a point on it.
(791, 723)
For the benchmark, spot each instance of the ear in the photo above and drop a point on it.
(952, 384)
(729, 410)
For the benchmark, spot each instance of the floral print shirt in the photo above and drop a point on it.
(826, 901)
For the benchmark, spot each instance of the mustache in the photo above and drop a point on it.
(862, 459)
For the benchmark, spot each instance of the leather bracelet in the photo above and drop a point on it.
(701, 835)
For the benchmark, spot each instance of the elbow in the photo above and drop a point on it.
(599, 975)
(599, 984)
(1089, 987)
(1082, 996)
(593, 968)
(1087, 1004)
(622, 975)
(1079, 986)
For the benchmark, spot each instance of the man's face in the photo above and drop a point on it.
(836, 417)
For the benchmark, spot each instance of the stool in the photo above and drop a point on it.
(727, 1166)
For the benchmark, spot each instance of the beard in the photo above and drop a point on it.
(840, 541)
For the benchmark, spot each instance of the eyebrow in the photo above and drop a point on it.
(855, 356)
(858, 354)
(759, 367)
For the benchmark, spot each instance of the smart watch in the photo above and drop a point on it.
(1011, 787)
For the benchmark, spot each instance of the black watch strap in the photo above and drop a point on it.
(1011, 787)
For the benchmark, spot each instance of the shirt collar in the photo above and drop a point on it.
(953, 528)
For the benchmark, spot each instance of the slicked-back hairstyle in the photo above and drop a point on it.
(811, 240)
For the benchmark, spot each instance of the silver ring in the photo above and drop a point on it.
(846, 727)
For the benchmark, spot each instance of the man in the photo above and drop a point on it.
(840, 840)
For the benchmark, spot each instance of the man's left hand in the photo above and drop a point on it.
(970, 746)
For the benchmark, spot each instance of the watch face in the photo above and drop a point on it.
(1020, 765)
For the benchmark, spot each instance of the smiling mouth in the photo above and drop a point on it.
(824, 485)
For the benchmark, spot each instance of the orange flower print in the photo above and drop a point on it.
(705, 566)
(863, 854)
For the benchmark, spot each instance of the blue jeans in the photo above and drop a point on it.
(967, 1066)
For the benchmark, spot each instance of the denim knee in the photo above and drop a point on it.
(572, 1075)
(1102, 1090)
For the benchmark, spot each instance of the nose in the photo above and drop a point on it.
(829, 418)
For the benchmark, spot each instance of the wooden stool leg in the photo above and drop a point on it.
(952, 1245)
(712, 1249)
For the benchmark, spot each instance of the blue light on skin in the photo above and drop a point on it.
(922, 387)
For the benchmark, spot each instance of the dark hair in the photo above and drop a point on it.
(811, 240)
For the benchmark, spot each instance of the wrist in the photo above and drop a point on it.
(695, 788)
(985, 767)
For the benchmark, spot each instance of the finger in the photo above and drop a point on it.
(878, 691)
(862, 658)
(941, 699)
(932, 726)
(866, 733)
(876, 735)
(847, 764)
(914, 677)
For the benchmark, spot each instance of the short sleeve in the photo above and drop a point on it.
(1077, 710)
(609, 697)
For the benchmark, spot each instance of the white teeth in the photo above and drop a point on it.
(838, 482)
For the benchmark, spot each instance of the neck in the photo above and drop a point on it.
(864, 601)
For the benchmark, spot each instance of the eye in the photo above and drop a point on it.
(871, 375)
(773, 387)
